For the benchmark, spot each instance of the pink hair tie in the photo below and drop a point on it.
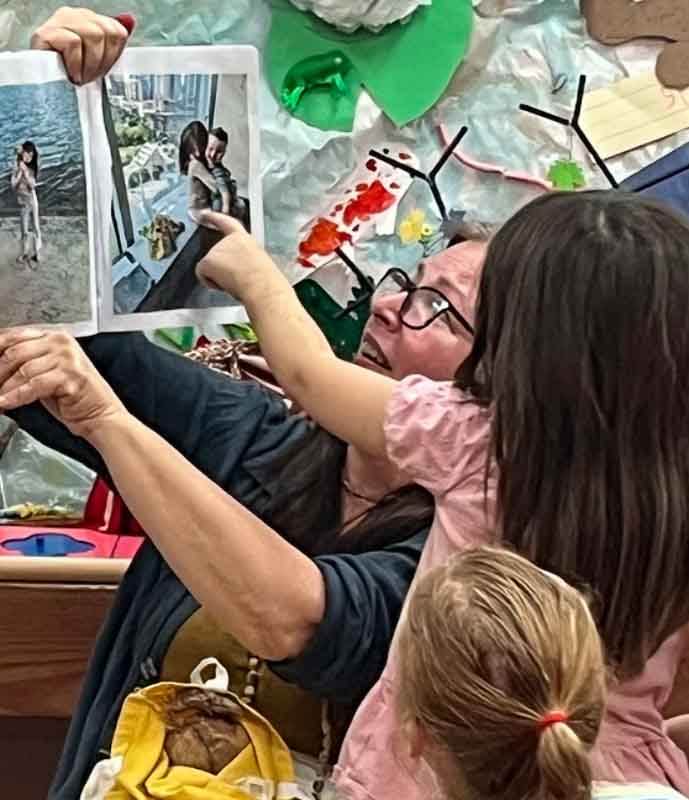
(552, 718)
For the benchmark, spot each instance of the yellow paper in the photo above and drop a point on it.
(632, 113)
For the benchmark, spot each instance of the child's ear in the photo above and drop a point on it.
(416, 738)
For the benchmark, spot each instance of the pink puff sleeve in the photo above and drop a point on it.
(435, 434)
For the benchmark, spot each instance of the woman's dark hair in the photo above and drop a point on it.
(582, 350)
(193, 138)
(313, 522)
(30, 148)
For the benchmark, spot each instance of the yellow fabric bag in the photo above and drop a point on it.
(263, 770)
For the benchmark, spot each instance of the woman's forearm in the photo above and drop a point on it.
(258, 587)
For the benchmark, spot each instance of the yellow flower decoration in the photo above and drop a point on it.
(412, 228)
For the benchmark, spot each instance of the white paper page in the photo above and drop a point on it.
(162, 105)
(47, 220)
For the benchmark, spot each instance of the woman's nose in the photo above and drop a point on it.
(387, 309)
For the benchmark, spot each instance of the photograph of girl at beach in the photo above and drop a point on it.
(44, 229)
(180, 145)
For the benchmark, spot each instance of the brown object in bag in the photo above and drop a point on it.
(203, 730)
(617, 21)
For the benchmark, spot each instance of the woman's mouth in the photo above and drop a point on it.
(370, 352)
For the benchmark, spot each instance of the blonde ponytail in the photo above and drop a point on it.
(502, 667)
(563, 764)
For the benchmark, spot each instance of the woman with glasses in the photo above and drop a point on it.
(312, 582)
(323, 620)
(420, 323)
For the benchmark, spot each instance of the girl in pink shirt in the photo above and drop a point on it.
(566, 435)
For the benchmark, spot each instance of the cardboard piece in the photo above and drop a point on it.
(632, 113)
(672, 66)
(613, 22)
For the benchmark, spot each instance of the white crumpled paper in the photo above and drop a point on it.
(348, 15)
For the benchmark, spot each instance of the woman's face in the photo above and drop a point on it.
(392, 349)
(26, 156)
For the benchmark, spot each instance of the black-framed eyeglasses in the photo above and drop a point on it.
(422, 305)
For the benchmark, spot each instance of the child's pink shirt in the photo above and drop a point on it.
(440, 439)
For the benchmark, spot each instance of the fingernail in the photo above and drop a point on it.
(128, 21)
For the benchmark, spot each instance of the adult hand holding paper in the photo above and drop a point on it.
(89, 43)
(51, 368)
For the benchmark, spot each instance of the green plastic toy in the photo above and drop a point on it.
(328, 69)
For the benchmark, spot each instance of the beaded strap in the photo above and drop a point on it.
(223, 355)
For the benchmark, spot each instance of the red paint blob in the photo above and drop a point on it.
(361, 187)
(373, 201)
(339, 208)
(306, 263)
(372, 165)
(324, 239)
(395, 186)
(404, 157)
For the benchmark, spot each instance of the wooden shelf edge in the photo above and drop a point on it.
(20, 569)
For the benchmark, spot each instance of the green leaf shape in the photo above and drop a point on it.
(566, 175)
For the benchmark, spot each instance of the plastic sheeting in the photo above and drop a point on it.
(31, 473)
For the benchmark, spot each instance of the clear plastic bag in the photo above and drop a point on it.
(32, 473)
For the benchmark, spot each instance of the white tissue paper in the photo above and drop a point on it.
(348, 15)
